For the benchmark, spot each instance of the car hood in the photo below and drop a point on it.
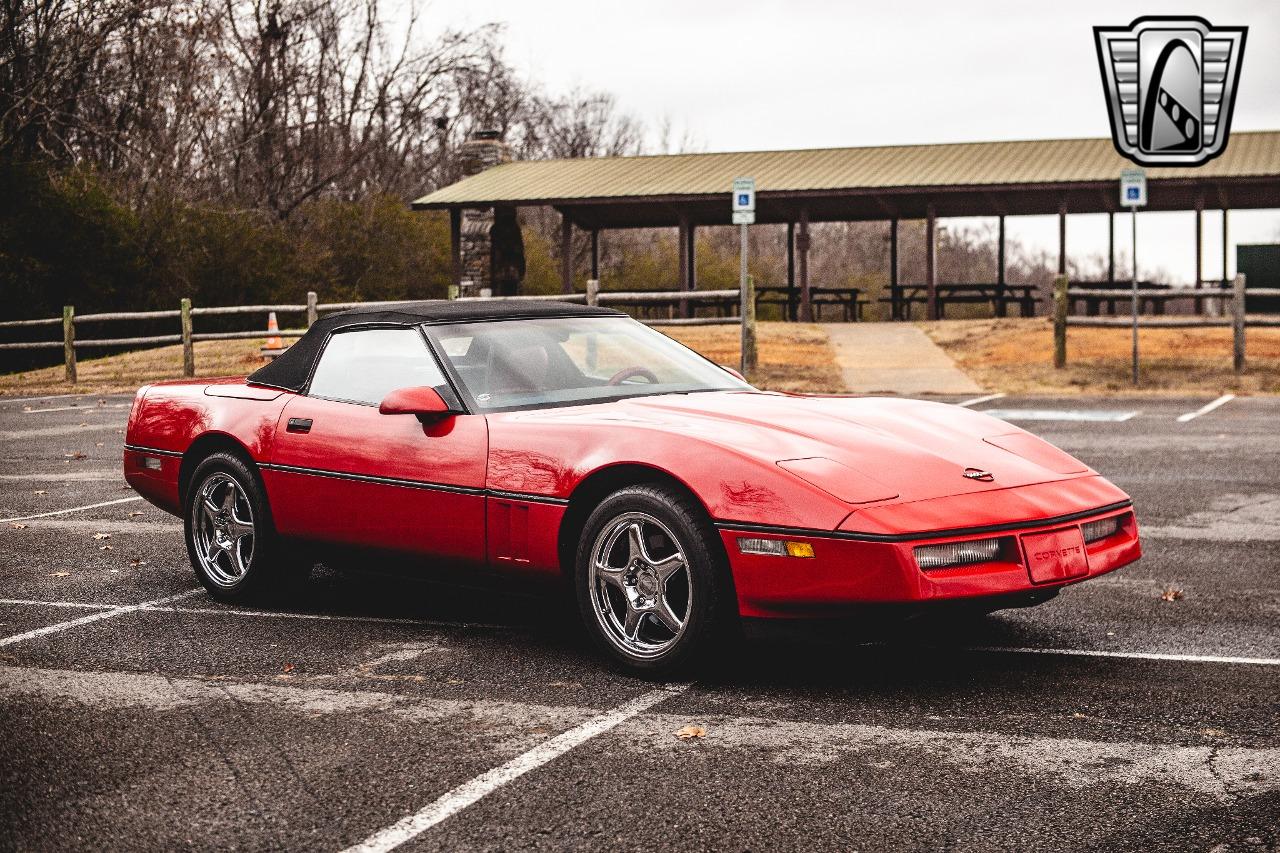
(861, 450)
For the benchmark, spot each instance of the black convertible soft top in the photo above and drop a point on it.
(293, 366)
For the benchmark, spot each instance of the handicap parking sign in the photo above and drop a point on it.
(744, 199)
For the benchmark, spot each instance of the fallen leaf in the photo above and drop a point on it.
(38, 492)
(84, 424)
(60, 575)
(99, 444)
(106, 547)
(1171, 594)
(691, 732)
(18, 526)
(287, 668)
(134, 563)
(76, 455)
(102, 536)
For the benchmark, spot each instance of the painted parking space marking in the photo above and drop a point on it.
(1218, 770)
(328, 617)
(32, 602)
(486, 783)
(977, 400)
(50, 432)
(1078, 415)
(7, 400)
(1206, 409)
(116, 610)
(73, 409)
(1154, 656)
(71, 509)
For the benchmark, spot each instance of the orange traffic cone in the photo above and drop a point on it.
(274, 345)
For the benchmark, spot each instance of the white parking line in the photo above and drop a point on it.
(1206, 409)
(32, 602)
(1078, 415)
(6, 400)
(976, 400)
(72, 509)
(120, 610)
(73, 409)
(1090, 653)
(326, 617)
(486, 783)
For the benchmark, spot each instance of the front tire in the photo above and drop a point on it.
(652, 584)
(231, 541)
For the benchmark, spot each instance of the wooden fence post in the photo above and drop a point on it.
(69, 341)
(748, 312)
(593, 291)
(1060, 322)
(188, 349)
(1237, 323)
(311, 308)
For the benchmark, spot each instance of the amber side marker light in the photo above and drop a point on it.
(774, 547)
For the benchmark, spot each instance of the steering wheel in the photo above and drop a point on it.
(628, 372)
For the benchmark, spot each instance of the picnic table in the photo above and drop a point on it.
(849, 300)
(1093, 302)
(901, 297)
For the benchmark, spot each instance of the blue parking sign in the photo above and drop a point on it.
(744, 199)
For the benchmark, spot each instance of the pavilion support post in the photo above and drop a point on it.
(455, 249)
(793, 298)
(1062, 238)
(895, 286)
(931, 261)
(1002, 305)
(1226, 254)
(1094, 306)
(1111, 246)
(686, 279)
(595, 254)
(566, 254)
(802, 267)
(1198, 280)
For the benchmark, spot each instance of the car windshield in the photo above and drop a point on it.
(518, 364)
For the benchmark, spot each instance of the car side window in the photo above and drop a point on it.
(365, 366)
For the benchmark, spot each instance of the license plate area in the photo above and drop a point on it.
(1056, 555)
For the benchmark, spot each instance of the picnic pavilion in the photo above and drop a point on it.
(889, 184)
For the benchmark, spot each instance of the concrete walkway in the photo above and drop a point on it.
(896, 358)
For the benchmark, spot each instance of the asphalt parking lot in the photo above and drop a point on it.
(1135, 712)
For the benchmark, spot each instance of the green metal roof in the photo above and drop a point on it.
(593, 190)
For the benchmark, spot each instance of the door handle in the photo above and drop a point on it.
(302, 425)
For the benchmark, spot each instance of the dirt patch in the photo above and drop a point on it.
(1016, 356)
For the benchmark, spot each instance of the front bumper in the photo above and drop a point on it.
(846, 570)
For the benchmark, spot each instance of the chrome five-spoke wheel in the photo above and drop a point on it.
(223, 531)
(640, 585)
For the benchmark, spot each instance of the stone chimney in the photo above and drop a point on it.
(484, 150)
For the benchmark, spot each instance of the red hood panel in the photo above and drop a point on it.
(919, 449)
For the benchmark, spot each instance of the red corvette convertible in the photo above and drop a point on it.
(564, 442)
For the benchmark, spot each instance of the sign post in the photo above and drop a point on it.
(744, 214)
(1133, 194)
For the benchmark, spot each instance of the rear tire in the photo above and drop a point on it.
(231, 541)
(652, 583)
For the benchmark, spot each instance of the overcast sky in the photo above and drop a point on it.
(804, 74)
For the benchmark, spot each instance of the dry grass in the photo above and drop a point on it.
(124, 373)
(793, 357)
(1016, 356)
